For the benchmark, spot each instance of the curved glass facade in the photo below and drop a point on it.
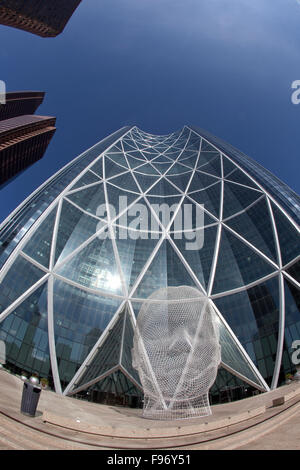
(136, 213)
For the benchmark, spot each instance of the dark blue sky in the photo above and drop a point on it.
(224, 65)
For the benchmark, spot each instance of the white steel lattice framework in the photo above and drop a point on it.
(87, 288)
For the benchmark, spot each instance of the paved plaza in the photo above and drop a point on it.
(68, 423)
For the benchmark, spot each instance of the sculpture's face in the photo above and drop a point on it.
(177, 351)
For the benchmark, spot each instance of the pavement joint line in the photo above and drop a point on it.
(170, 436)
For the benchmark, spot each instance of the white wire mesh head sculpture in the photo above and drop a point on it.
(176, 352)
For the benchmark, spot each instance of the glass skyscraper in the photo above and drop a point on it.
(131, 215)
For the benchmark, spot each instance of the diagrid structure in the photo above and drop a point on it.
(134, 214)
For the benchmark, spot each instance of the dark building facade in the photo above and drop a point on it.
(19, 103)
(23, 141)
(69, 296)
(46, 18)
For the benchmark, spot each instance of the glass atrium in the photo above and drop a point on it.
(82, 253)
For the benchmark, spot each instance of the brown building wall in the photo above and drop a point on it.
(46, 18)
(19, 103)
(24, 144)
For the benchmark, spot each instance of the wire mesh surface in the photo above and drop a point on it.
(176, 352)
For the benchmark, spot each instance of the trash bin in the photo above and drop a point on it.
(30, 398)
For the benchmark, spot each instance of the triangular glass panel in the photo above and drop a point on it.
(78, 325)
(237, 198)
(138, 155)
(135, 248)
(94, 266)
(87, 178)
(74, 228)
(163, 188)
(181, 181)
(193, 145)
(112, 168)
(288, 235)
(147, 169)
(133, 162)
(253, 315)
(294, 271)
(116, 389)
(22, 275)
(201, 181)
(98, 168)
(117, 147)
(146, 151)
(108, 354)
(165, 270)
(25, 333)
(210, 162)
(239, 176)
(125, 181)
(189, 151)
(39, 245)
(149, 154)
(237, 264)
(118, 158)
(142, 147)
(126, 357)
(162, 167)
(138, 217)
(178, 169)
(194, 141)
(194, 136)
(162, 159)
(198, 247)
(255, 225)
(128, 145)
(191, 216)
(172, 153)
(146, 181)
(190, 162)
(164, 207)
(232, 355)
(161, 148)
(119, 199)
(206, 147)
(178, 145)
(210, 198)
(228, 167)
(89, 199)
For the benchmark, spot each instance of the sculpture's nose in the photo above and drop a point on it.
(181, 341)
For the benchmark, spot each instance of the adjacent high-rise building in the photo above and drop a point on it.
(23, 141)
(46, 18)
(134, 214)
(18, 103)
